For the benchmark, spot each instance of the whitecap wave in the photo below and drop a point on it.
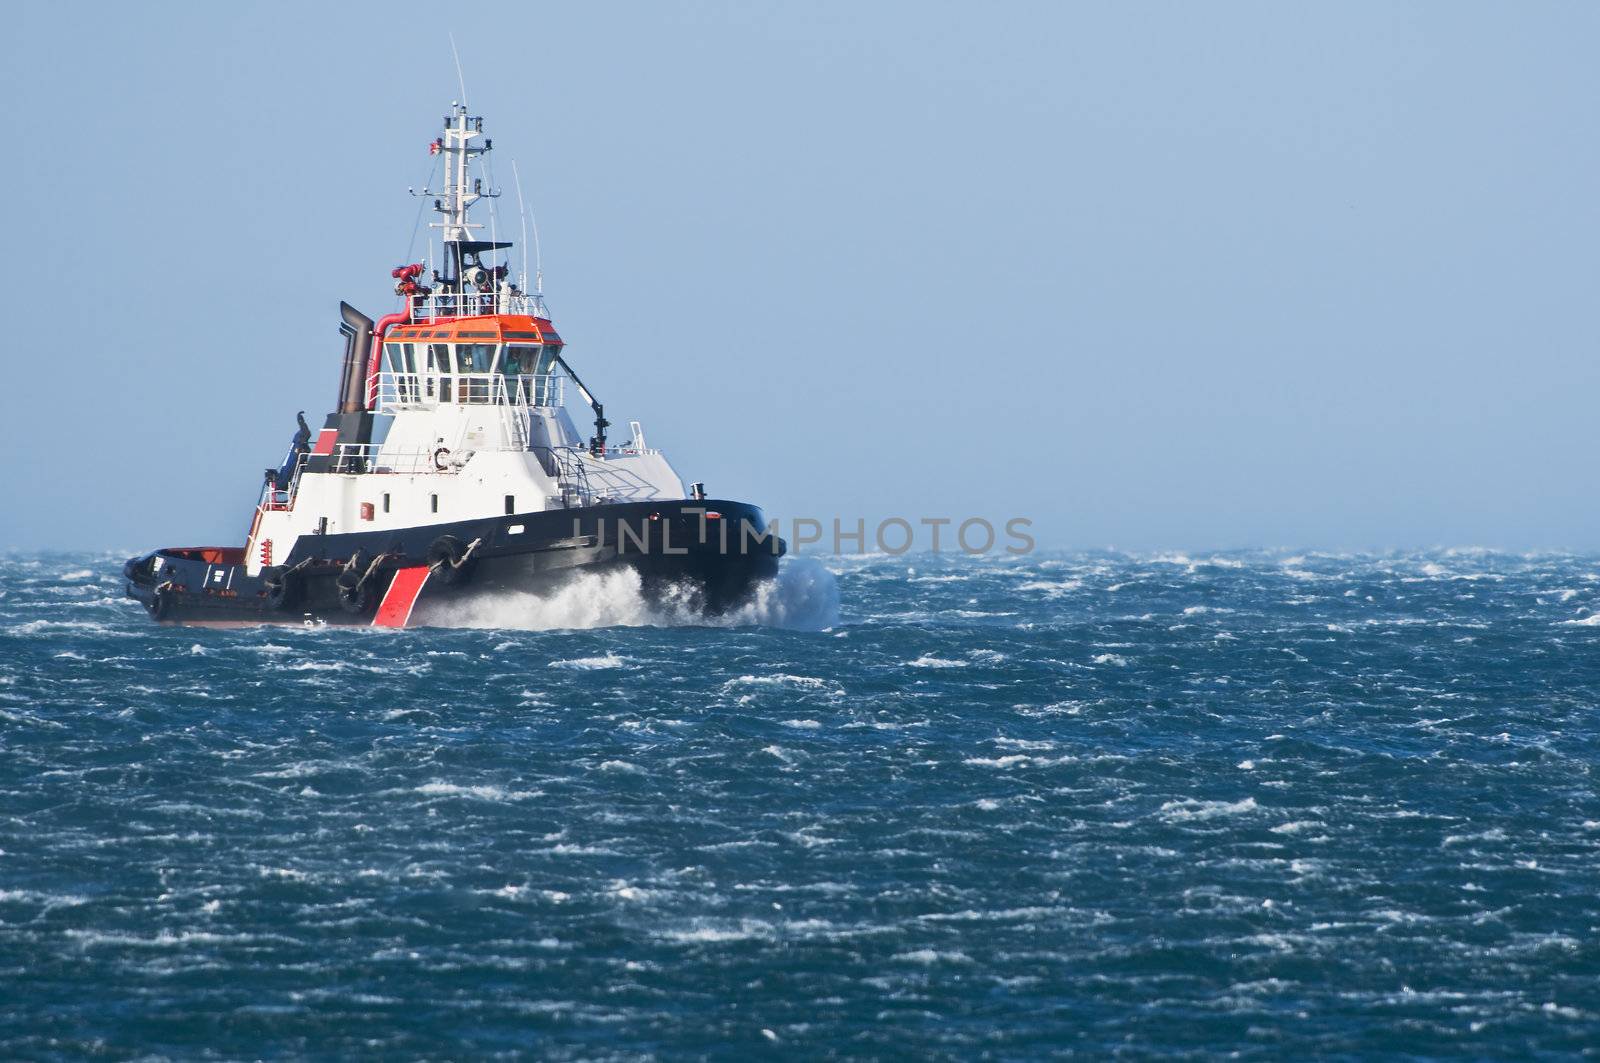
(803, 597)
(1052, 588)
(592, 664)
(930, 661)
(439, 788)
(1189, 808)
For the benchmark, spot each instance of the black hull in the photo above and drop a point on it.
(721, 559)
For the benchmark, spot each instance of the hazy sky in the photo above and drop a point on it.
(1154, 275)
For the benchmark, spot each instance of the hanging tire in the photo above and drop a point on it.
(355, 568)
(445, 561)
(351, 575)
(160, 604)
(282, 587)
(357, 598)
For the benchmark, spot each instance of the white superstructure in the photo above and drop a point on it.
(453, 408)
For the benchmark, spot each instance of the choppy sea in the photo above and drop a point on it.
(934, 807)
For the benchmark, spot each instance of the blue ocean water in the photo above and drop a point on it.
(1271, 805)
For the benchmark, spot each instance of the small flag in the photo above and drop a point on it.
(435, 147)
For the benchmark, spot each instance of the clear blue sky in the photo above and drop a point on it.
(1155, 275)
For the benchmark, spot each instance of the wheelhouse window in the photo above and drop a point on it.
(545, 374)
(438, 368)
(522, 370)
(527, 367)
(475, 357)
(400, 359)
(520, 360)
(471, 373)
(474, 362)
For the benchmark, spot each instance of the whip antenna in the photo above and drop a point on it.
(538, 258)
(461, 81)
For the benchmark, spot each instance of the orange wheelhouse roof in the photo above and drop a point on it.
(494, 328)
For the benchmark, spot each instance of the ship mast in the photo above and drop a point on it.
(460, 193)
(460, 131)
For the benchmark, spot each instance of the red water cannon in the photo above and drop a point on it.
(405, 280)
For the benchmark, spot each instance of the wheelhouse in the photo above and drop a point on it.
(504, 359)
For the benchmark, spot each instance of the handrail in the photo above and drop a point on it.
(276, 496)
(443, 305)
(376, 458)
(428, 390)
(572, 480)
(583, 479)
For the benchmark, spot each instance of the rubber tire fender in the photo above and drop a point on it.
(282, 587)
(351, 574)
(160, 604)
(356, 599)
(444, 555)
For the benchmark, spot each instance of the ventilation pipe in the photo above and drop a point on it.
(384, 324)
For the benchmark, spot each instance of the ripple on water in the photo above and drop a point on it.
(1268, 803)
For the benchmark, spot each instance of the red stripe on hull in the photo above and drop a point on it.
(398, 601)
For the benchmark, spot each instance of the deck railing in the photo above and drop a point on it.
(376, 458)
(414, 390)
(439, 305)
(581, 478)
(275, 495)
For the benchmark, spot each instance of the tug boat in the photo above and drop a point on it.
(451, 469)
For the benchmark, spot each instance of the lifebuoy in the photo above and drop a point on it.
(448, 561)
(438, 459)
